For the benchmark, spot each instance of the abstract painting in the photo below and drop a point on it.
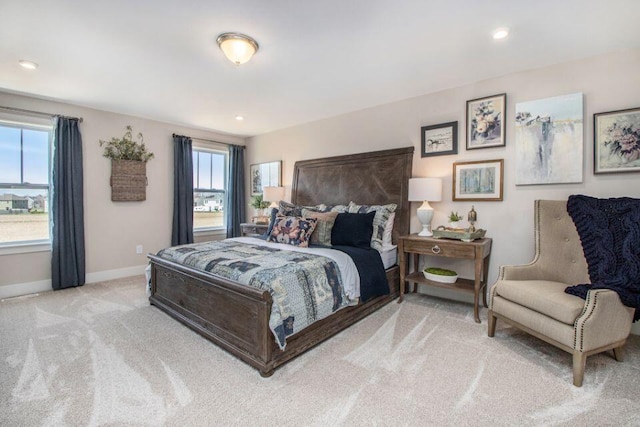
(549, 140)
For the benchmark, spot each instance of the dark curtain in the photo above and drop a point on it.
(235, 192)
(67, 212)
(182, 230)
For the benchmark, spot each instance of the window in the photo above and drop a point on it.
(209, 188)
(25, 164)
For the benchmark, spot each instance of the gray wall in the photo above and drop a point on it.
(112, 229)
(608, 82)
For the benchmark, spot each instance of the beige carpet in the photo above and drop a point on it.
(99, 355)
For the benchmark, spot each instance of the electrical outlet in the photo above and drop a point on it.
(139, 249)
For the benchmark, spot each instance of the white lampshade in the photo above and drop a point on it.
(425, 190)
(238, 48)
(273, 195)
(421, 189)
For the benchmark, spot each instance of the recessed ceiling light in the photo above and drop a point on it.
(29, 65)
(239, 118)
(500, 33)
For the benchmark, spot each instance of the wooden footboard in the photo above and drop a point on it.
(236, 317)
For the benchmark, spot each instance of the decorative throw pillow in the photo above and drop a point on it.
(352, 229)
(337, 208)
(382, 214)
(322, 233)
(292, 230)
(272, 220)
(387, 236)
(289, 209)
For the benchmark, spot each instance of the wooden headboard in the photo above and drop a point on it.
(375, 178)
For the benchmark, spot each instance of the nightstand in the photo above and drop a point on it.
(477, 251)
(251, 229)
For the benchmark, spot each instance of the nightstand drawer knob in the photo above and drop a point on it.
(436, 249)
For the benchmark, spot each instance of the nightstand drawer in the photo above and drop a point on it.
(444, 248)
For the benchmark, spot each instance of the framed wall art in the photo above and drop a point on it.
(616, 139)
(265, 175)
(549, 140)
(478, 181)
(486, 120)
(439, 140)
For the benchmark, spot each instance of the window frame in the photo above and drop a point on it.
(42, 125)
(225, 190)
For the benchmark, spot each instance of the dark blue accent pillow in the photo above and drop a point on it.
(353, 229)
(272, 220)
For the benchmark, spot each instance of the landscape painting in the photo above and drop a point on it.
(478, 180)
(550, 140)
(440, 139)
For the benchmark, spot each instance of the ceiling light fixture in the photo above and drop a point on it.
(238, 48)
(29, 65)
(239, 118)
(500, 33)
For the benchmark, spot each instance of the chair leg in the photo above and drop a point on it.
(617, 353)
(491, 330)
(579, 363)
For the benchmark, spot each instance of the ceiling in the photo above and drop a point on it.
(159, 59)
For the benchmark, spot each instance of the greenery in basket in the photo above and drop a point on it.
(440, 271)
(125, 148)
(258, 203)
(453, 217)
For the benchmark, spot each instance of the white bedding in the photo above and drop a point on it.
(389, 255)
(348, 270)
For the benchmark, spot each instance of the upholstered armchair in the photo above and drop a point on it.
(531, 297)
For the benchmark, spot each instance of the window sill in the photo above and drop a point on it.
(217, 231)
(23, 248)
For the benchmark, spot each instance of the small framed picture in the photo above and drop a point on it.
(478, 181)
(486, 119)
(438, 140)
(616, 138)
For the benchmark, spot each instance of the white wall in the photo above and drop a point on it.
(112, 229)
(608, 82)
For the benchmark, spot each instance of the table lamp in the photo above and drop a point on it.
(425, 190)
(273, 195)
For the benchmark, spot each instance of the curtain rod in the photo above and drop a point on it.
(20, 110)
(203, 139)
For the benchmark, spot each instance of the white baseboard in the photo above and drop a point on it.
(119, 273)
(20, 289)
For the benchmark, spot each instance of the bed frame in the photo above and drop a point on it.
(235, 316)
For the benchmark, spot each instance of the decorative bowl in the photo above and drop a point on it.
(440, 278)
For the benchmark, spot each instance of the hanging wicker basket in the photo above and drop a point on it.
(128, 180)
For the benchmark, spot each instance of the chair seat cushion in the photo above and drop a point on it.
(543, 296)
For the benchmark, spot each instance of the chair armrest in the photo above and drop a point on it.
(530, 271)
(604, 320)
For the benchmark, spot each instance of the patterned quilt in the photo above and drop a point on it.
(304, 287)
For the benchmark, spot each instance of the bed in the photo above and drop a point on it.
(235, 316)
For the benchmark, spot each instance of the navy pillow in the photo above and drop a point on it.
(353, 229)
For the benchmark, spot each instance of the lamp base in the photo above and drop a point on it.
(425, 215)
(426, 231)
